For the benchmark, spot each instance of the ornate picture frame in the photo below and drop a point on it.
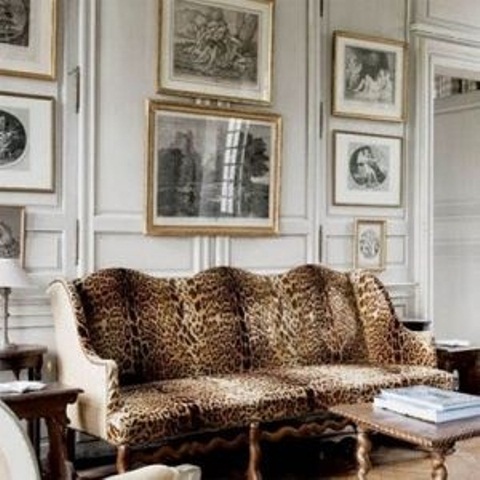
(28, 38)
(212, 171)
(370, 244)
(367, 170)
(12, 232)
(27, 142)
(220, 49)
(369, 77)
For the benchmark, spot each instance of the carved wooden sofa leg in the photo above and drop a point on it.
(253, 472)
(123, 458)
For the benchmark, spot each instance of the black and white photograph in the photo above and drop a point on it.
(367, 169)
(28, 38)
(369, 77)
(370, 244)
(219, 48)
(12, 232)
(212, 171)
(26, 126)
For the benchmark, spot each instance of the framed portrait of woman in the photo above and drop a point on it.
(369, 77)
(367, 169)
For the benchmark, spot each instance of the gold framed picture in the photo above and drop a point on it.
(27, 146)
(370, 244)
(367, 169)
(28, 37)
(212, 171)
(12, 232)
(220, 49)
(369, 77)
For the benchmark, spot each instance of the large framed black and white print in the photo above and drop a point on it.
(369, 77)
(26, 142)
(367, 169)
(217, 48)
(212, 171)
(28, 32)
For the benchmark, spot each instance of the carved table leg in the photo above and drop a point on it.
(253, 472)
(123, 457)
(439, 470)
(57, 454)
(363, 453)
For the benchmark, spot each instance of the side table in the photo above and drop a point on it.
(464, 360)
(30, 358)
(49, 403)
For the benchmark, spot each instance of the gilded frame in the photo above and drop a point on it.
(12, 232)
(369, 77)
(216, 49)
(29, 48)
(359, 179)
(211, 171)
(27, 142)
(370, 244)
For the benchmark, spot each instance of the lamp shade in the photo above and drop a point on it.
(12, 275)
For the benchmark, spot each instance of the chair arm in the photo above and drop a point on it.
(79, 366)
(417, 348)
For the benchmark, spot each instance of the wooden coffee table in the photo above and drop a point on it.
(439, 439)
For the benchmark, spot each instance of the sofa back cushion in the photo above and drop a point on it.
(186, 326)
(306, 316)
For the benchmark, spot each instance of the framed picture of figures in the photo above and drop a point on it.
(370, 244)
(26, 142)
(369, 77)
(28, 32)
(212, 171)
(216, 48)
(12, 232)
(367, 169)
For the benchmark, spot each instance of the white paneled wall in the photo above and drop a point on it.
(457, 216)
(99, 188)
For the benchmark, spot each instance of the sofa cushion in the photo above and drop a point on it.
(303, 317)
(333, 384)
(186, 326)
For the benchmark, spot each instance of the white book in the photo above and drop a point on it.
(432, 397)
(423, 413)
(20, 386)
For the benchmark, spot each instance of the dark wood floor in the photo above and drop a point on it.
(313, 460)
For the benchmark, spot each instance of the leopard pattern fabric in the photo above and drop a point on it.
(305, 316)
(386, 339)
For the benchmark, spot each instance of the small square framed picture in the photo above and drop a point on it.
(12, 232)
(367, 169)
(370, 244)
(369, 77)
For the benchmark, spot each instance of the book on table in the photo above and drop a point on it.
(429, 403)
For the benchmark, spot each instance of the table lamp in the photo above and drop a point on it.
(12, 275)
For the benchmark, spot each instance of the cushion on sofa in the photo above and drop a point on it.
(186, 326)
(303, 317)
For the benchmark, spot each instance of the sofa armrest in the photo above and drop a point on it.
(386, 339)
(79, 366)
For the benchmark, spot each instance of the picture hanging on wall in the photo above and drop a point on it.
(370, 244)
(369, 77)
(219, 49)
(12, 232)
(367, 169)
(28, 32)
(26, 142)
(212, 171)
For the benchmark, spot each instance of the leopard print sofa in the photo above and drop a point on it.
(188, 361)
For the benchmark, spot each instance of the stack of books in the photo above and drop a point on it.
(429, 403)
